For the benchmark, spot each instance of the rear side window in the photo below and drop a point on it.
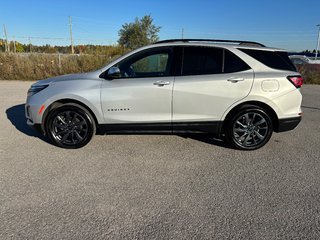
(209, 60)
(201, 60)
(276, 60)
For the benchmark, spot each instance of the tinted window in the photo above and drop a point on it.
(154, 63)
(198, 61)
(277, 60)
(233, 63)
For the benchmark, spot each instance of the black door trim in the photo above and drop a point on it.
(212, 127)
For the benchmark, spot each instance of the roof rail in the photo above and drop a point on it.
(212, 40)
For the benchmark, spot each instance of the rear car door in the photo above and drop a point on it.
(211, 80)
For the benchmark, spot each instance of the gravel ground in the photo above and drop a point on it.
(157, 187)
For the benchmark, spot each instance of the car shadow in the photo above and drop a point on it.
(208, 139)
(17, 118)
(313, 108)
(16, 115)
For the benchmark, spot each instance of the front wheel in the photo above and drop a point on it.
(249, 129)
(70, 126)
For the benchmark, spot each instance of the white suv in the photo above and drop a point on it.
(241, 91)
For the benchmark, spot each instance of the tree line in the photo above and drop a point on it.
(132, 35)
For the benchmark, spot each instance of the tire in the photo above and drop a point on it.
(249, 128)
(70, 126)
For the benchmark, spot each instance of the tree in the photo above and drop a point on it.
(139, 33)
(19, 47)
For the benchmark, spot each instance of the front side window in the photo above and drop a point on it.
(147, 64)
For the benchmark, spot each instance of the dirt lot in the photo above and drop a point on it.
(157, 187)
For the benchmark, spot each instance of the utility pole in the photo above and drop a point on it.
(7, 47)
(14, 45)
(318, 42)
(182, 33)
(71, 39)
(30, 46)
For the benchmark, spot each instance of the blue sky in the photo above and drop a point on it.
(289, 24)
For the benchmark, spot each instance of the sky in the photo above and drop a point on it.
(288, 24)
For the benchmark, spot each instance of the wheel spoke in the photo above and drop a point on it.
(261, 137)
(260, 122)
(57, 125)
(78, 136)
(241, 139)
(72, 137)
(254, 139)
(238, 122)
(61, 132)
(64, 138)
(239, 130)
(246, 140)
(61, 119)
(246, 116)
(74, 119)
(68, 116)
(254, 115)
(79, 124)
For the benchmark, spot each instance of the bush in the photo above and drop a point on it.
(310, 73)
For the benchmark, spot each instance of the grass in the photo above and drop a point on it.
(41, 66)
(310, 73)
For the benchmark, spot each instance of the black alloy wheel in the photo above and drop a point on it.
(249, 129)
(70, 126)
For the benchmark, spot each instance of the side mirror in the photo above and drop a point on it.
(113, 72)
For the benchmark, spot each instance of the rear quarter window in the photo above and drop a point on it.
(276, 60)
(232, 63)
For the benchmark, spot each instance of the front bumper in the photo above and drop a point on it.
(35, 126)
(287, 124)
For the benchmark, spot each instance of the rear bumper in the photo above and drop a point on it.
(287, 124)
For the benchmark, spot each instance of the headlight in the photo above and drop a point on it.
(35, 89)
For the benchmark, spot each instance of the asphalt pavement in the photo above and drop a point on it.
(157, 186)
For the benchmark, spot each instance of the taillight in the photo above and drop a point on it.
(297, 81)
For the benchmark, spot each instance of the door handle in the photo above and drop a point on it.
(235, 79)
(161, 83)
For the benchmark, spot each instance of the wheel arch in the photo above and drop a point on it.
(264, 106)
(59, 103)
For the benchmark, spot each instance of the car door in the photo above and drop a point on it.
(143, 92)
(212, 79)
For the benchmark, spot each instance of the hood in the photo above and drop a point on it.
(68, 77)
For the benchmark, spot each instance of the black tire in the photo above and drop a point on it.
(249, 128)
(70, 126)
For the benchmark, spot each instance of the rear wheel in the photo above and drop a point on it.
(70, 126)
(249, 129)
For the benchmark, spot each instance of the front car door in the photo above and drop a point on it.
(143, 93)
